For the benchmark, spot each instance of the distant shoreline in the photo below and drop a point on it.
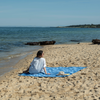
(81, 26)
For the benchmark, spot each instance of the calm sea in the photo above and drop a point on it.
(12, 39)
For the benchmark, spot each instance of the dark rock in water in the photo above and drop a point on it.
(32, 43)
(75, 40)
(47, 42)
(41, 43)
(96, 41)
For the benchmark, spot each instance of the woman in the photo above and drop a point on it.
(38, 64)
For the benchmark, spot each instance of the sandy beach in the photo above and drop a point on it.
(83, 85)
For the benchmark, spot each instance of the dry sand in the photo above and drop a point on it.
(83, 85)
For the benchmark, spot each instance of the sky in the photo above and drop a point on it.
(45, 13)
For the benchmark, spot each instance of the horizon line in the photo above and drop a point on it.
(49, 26)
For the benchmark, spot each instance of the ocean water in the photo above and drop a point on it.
(13, 39)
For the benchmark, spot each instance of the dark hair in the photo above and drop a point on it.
(39, 53)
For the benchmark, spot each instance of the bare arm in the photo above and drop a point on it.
(46, 71)
(26, 71)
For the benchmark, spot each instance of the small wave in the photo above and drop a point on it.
(14, 56)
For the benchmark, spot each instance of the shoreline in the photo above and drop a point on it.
(80, 85)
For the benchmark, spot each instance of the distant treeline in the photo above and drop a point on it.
(81, 26)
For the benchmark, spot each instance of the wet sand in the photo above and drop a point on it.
(83, 85)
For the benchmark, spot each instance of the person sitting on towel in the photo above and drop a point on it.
(38, 64)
